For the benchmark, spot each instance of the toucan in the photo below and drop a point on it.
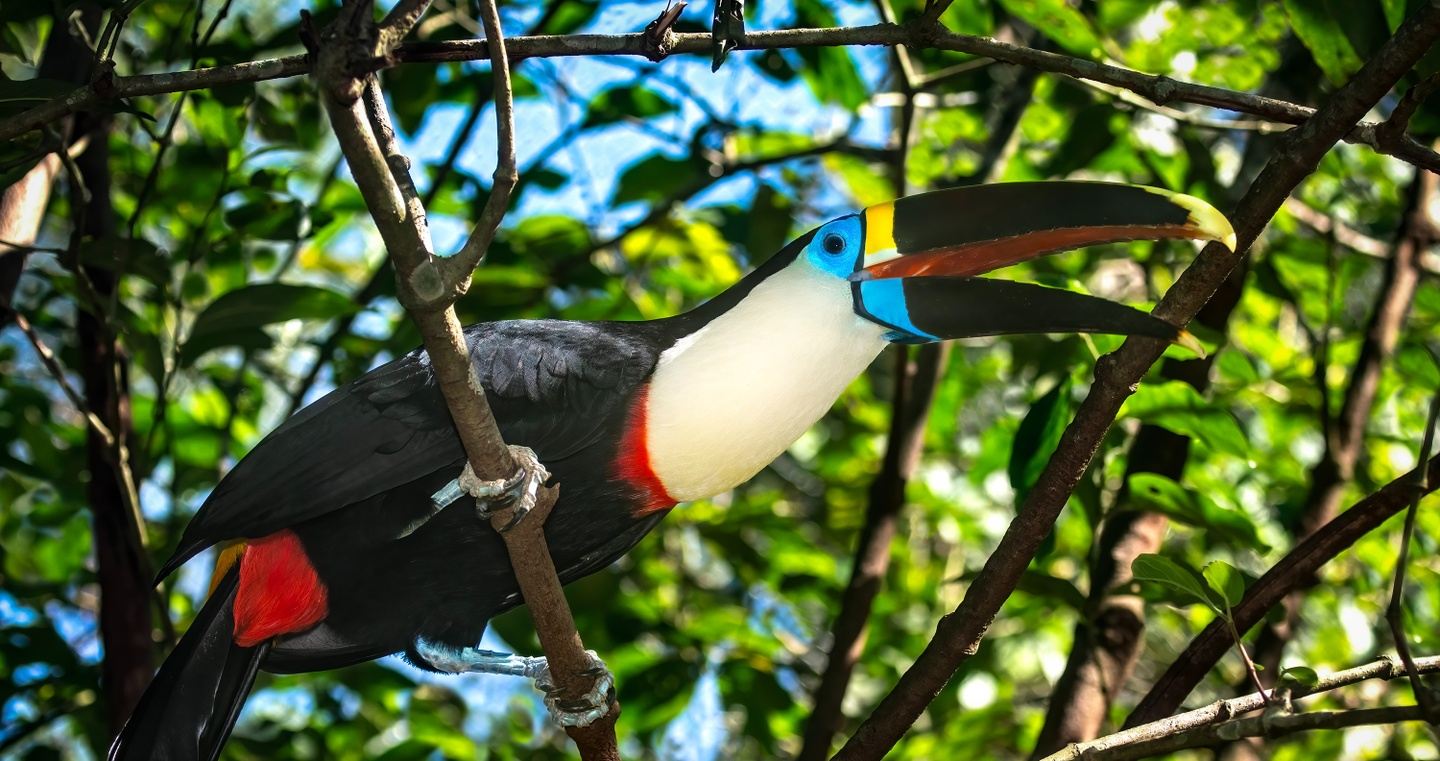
(343, 537)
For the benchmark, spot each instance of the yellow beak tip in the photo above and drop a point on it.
(1208, 220)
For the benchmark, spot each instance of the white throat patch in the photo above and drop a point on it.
(726, 400)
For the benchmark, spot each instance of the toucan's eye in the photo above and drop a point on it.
(833, 244)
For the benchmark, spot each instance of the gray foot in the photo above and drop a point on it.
(520, 490)
(577, 712)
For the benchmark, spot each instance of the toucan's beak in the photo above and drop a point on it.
(922, 254)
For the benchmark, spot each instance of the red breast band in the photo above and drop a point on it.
(633, 462)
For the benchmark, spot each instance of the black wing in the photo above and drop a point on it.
(553, 386)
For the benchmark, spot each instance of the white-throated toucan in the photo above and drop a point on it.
(337, 553)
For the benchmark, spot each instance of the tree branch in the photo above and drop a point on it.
(1344, 432)
(1294, 569)
(1395, 611)
(367, 141)
(915, 381)
(958, 634)
(1159, 89)
(1214, 723)
(52, 364)
(457, 269)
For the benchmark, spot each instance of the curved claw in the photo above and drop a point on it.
(520, 490)
(586, 709)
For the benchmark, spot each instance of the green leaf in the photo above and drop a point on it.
(1303, 675)
(867, 185)
(1226, 580)
(267, 216)
(549, 238)
(568, 17)
(1060, 22)
(1175, 406)
(618, 103)
(545, 178)
(235, 319)
(1324, 36)
(829, 71)
(17, 95)
(767, 226)
(1051, 588)
(1157, 569)
(1037, 437)
(131, 256)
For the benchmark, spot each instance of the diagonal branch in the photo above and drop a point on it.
(958, 634)
(52, 364)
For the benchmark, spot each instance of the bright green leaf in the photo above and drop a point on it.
(1303, 675)
(1226, 580)
(1157, 569)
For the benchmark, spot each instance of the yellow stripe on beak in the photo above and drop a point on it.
(880, 232)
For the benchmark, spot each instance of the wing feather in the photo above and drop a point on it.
(552, 385)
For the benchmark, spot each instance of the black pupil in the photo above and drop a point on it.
(834, 244)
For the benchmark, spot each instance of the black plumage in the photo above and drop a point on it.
(352, 471)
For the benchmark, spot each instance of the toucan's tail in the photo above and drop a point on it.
(189, 708)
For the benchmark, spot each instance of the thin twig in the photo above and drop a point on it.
(1395, 612)
(52, 364)
(1112, 746)
(1159, 89)
(456, 270)
(1187, 117)
(1250, 671)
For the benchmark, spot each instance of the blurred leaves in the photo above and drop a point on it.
(236, 318)
(1037, 437)
(250, 250)
(1178, 407)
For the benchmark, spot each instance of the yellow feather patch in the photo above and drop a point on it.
(228, 556)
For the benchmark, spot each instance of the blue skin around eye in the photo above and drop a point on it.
(883, 299)
(886, 300)
(838, 264)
